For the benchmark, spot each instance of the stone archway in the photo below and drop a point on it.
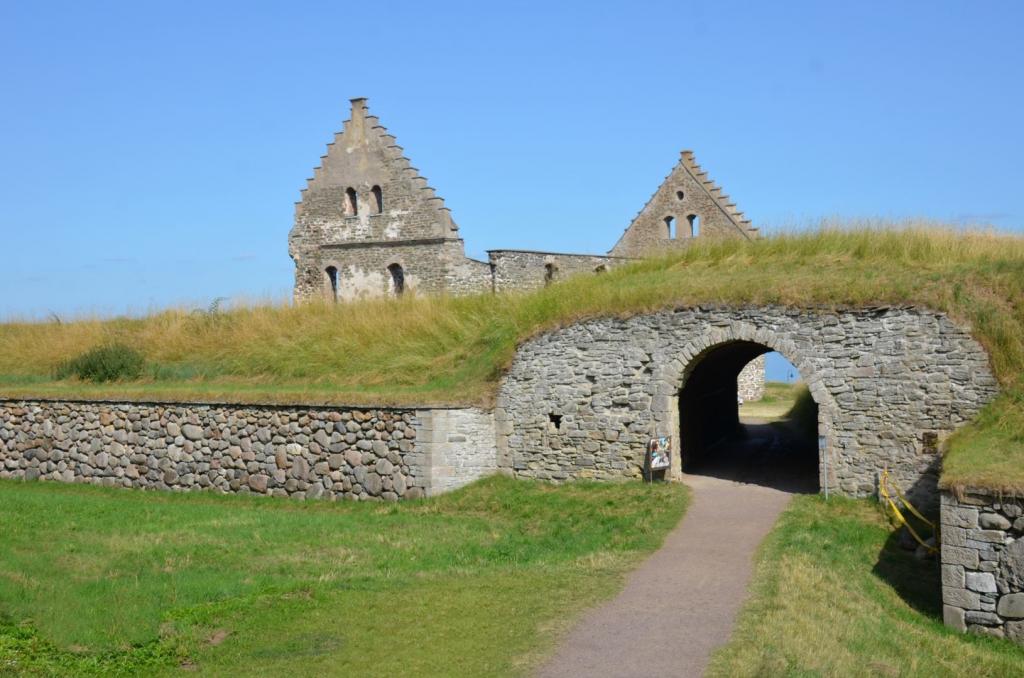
(582, 401)
(672, 377)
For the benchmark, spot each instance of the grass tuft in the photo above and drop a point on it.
(112, 362)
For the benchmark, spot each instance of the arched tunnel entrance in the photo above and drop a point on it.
(780, 450)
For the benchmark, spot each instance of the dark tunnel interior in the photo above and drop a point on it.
(714, 440)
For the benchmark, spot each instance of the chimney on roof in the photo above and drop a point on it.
(357, 119)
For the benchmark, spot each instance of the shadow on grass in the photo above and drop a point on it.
(918, 582)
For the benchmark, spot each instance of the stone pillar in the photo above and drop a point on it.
(458, 446)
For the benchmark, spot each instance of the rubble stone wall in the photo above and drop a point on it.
(350, 453)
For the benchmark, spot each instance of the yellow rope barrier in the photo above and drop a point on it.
(883, 489)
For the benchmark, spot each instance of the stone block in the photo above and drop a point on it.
(953, 617)
(993, 521)
(1014, 631)
(956, 555)
(192, 432)
(1011, 606)
(960, 516)
(953, 576)
(982, 582)
(962, 598)
(983, 618)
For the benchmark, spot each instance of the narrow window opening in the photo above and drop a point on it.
(378, 200)
(397, 278)
(550, 272)
(679, 195)
(353, 201)
(694, 225)
(670, 226)
(556, 421)
(332, 277)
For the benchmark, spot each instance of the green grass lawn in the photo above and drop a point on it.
(834, 596)
(454, 350)
(778, 398)
(477, 582)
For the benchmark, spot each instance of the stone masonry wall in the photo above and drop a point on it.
(983, 563)
(363, 158)
(461, 444)
(521, 270)
(351, 453)
(751, 380)
(890, 384)
(429, 267)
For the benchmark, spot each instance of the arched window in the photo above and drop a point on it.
(679, 195)
(332, 278)
(601, 269)
(670, 226)
(353, 202)
(397, 278)
(694, 225)
(378, 200)
(550, 272)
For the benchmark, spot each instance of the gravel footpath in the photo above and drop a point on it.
(681, 603)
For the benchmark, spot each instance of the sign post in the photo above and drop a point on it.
(658, 457)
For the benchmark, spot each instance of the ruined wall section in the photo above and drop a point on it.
(433, 266)
(363, 156)
(524, 270)
(687, 191)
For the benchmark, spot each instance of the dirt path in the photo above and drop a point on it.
(681, 603)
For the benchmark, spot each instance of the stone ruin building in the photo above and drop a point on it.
(369, 225)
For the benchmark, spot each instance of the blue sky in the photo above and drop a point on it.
(153, 151)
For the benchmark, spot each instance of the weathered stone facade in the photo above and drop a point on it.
(687, 205)
(982, 557)
(890, 385)
(368, 225)
(351, 453)
(363, 200)
(523, 270)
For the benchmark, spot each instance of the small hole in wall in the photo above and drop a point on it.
(930, 442)
(556, 421)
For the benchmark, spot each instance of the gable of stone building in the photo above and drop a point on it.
(687, 205)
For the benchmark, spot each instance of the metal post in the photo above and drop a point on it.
(823, 451)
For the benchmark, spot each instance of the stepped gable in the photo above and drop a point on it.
(687, 205)
(364, 155)
(369, 224)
